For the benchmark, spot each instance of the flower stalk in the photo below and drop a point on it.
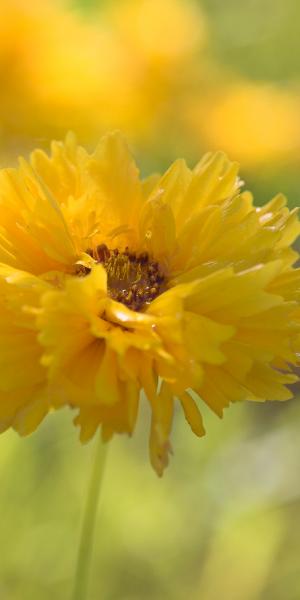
(85, 550)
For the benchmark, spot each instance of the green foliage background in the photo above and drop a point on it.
(224, 522)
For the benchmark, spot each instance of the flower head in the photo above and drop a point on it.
(176, 285)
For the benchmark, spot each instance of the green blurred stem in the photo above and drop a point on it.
(81, 580)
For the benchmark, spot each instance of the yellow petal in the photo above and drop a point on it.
(158, 229)
(192, 414)
(117, 176)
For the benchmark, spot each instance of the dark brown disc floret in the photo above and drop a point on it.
(133, 279)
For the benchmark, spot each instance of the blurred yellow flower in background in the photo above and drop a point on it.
(43, 57)
(120, 68)
(143, 66)
(254, 122)
(176, 285)
(161, 41)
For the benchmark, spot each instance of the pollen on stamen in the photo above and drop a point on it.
(132, 279)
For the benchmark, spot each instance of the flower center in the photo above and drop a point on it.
(133, 279)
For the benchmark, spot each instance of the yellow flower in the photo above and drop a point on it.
(254, 122)
(119, 68)
(176, 285)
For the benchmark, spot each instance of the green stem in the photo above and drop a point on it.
(81, 579)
